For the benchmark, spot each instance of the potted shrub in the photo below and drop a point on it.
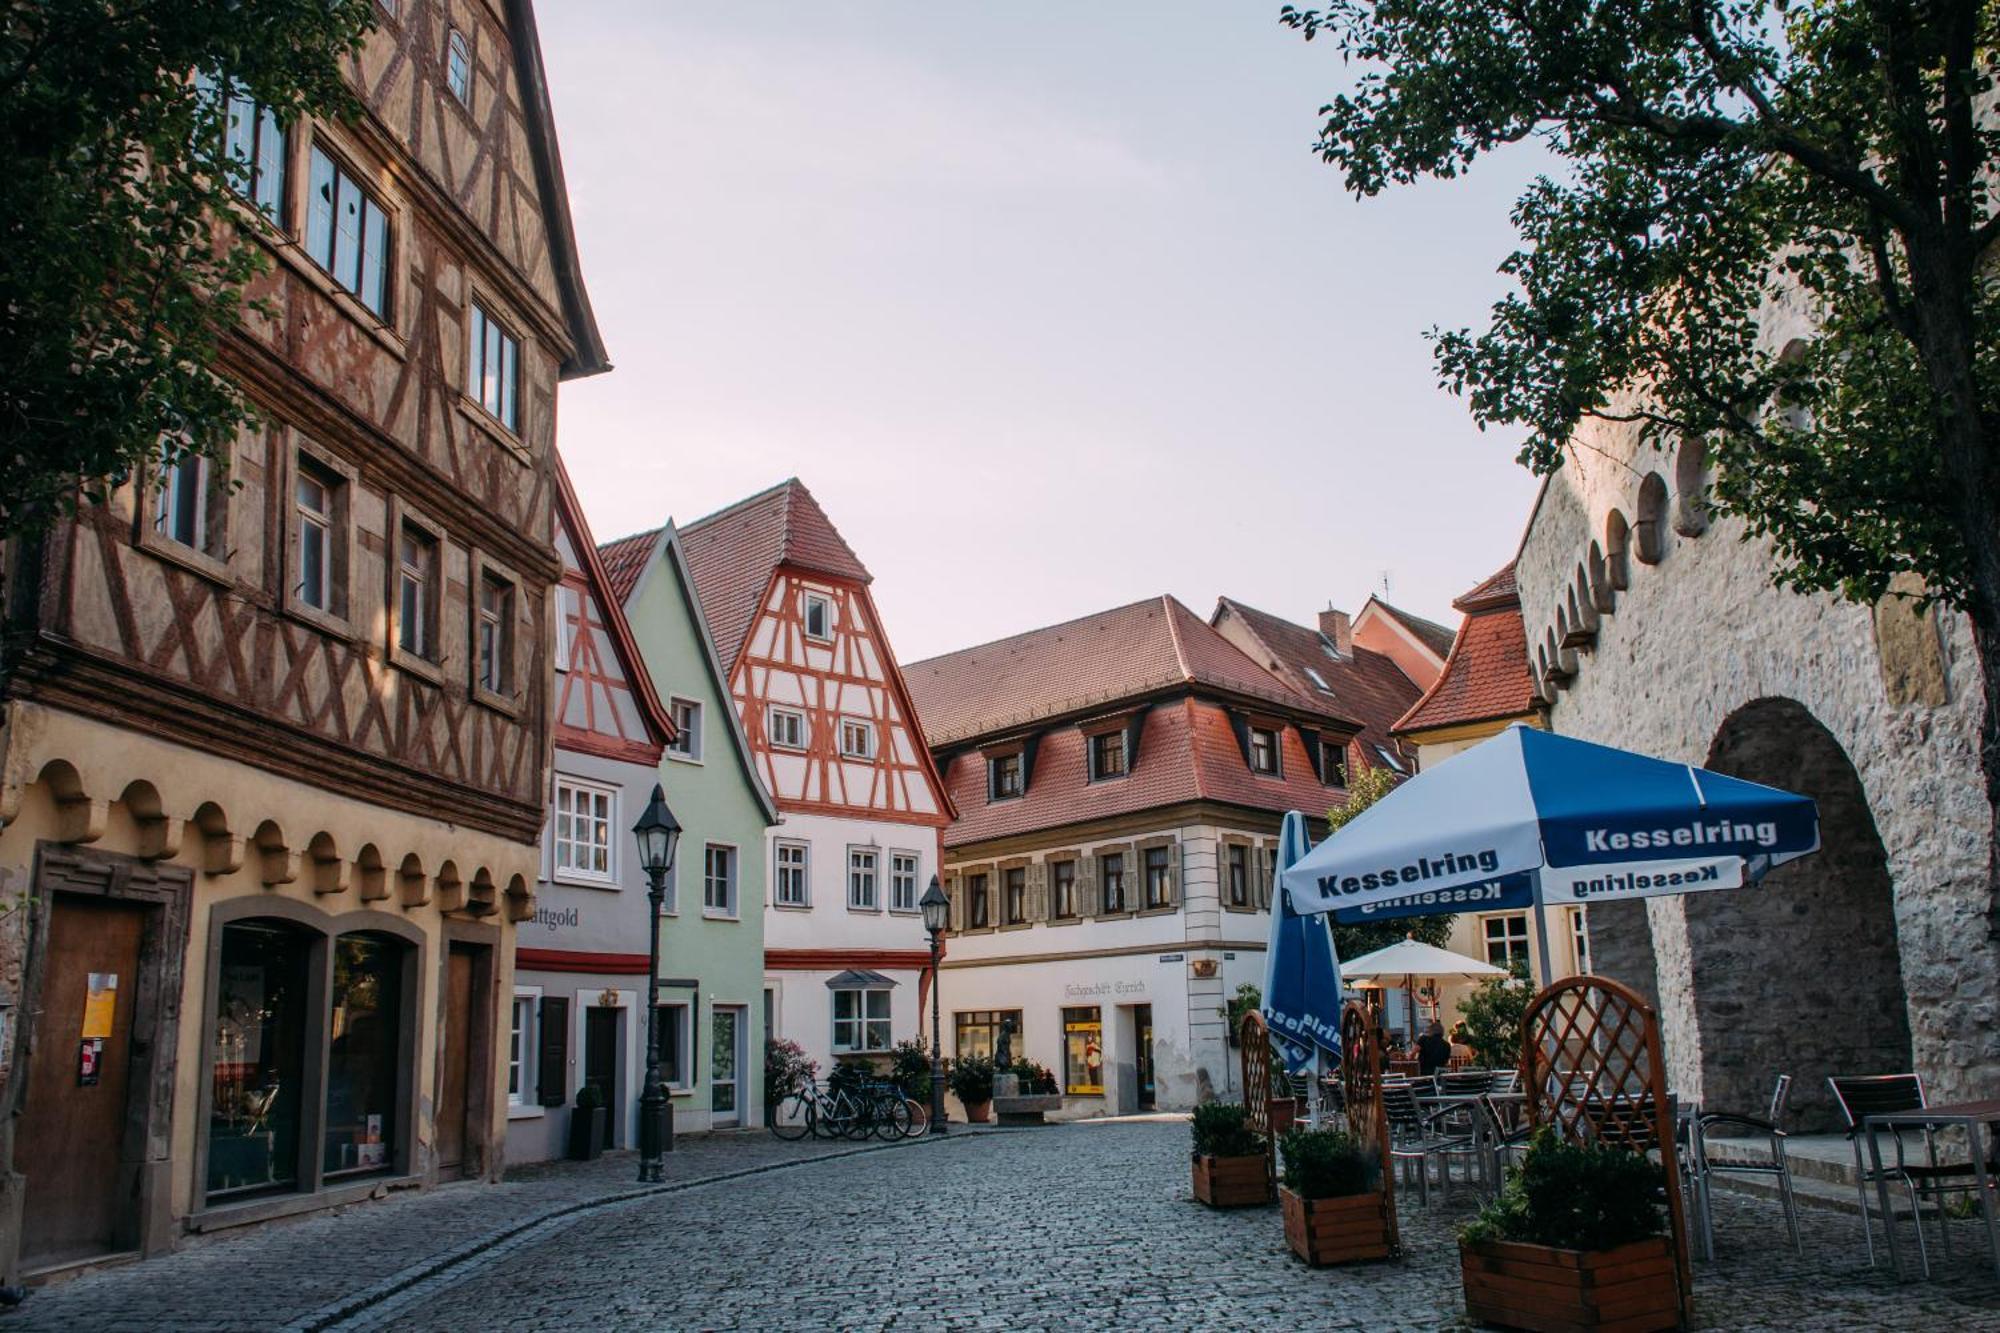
(1336, 1211)
(1577, 1239)
(787, 1069)
(910, 1070)
(589, 1124)
(971, 1081)
(1232, 1165)
(1036, 1080)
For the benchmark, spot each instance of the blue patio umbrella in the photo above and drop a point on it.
(1301, 975)
(1530, 817)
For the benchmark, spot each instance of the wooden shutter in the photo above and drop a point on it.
(552, 1058)
(1038, 891)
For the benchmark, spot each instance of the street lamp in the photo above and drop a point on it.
(658, 832)
(937, 915)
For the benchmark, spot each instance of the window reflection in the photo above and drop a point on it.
(361, 1054)
(259, 1044)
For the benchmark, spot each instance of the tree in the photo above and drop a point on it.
(1714, 154)
(123, 258)
(1350, 942)
(1492, 1016)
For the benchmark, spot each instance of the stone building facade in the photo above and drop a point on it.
(1653, 624)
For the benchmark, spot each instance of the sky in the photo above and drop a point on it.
(1052, 306)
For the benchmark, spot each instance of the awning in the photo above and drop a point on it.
(857, 979)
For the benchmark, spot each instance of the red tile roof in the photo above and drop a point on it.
(1435, 636)
(1487, 677)
(625, 560)
(1124, 653)
(1366, 686)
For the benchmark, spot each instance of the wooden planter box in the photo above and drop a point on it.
(1233, 1182)
(1633, 1289)
(1337, 1231)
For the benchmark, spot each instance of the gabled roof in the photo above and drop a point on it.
(1365, 685)
(1487, 678)
(587, 355)
(1431, 634)
(627, 558)
(1095, 661)
(659, 723)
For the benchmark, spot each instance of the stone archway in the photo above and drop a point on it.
(1802, 974)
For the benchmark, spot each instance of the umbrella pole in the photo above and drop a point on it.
(1542, 936)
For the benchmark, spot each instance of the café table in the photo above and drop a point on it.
(1968, 1116)
(1437, 1105)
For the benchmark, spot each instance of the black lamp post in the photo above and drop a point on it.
(658, 832)
(937, 915)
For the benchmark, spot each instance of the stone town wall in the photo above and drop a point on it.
(1689, 640)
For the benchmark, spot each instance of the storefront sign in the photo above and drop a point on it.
(1173, 957)
(558, 918)
(1091, 990)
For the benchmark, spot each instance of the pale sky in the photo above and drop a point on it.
(1051, 306)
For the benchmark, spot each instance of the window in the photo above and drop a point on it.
(1062, 879)
(1159, 877)
(818, 617)
(976, 1032)
(1238, 859)
(458, 67)
(978, 907)
(584, 820)
(258, 1055)
(494, 371)
(495, 631)
(860, 1020)
(861, 879)
(1003, 777)
(314, 554)
(1107, 755)
(180, 510)
(1389, 758)
(857, 738)
(791, 886)
(1579, 934)
(253, 143)
(521, 1051)
(903, 870)
(1014, 895)
(347, 232)
(1333, 763)
(1506, 939)
(676, 1071)
(416, 591)
(788, 728)
(1111, 874)
(566, 605)
(1083, 1051)
(362, 1057)
(1319, 681)
(687, 729)
(718, 881)
(1263, 750)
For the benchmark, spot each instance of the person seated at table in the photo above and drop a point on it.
(1461, 1044)
(1433, 1050)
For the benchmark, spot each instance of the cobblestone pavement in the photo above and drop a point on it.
(1087, 1225)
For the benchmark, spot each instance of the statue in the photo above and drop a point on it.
(1003, 1049)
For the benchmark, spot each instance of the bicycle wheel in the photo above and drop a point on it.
(892, 1117)
(861, 1123)
(834, 1118)
(920, 1117)
(793, 1117)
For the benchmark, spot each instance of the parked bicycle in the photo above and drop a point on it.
(851, 1106)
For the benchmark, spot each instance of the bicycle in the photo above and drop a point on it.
(806, 1110)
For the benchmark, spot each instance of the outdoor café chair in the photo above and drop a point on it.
(1701, 1166)
(1467, 1081)
(1881, 1094)
(1414, 1136)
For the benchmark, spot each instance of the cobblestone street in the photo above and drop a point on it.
(1085, 1225)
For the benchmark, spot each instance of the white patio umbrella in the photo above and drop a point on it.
(1410, 959)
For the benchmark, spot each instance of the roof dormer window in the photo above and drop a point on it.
(1264, 751)
(1003, 777)
(1107, 755)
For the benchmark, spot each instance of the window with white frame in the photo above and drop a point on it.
(565, 606)
(1506, 938)
(585, 816)
(903, 870)
(1579, 933)
(861, 895)
(347, 231)
(857, 738)
(494, 634)
(787, 728)
(718, 880)
(314, 554)
(687, 729)
(521, 1050)
(458, 67)
(180, 508)
(790, 889)
(817, 611)
(254, 144)
(417, 586)
(860, 1020)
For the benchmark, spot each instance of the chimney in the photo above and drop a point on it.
(1339, 630)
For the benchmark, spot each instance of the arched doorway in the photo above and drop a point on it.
(1801, 974)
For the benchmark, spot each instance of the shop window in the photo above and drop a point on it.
(1107, 755)
(257, 1059)
(976, 1032)
(1014, 896)
(1111, 876)
(1506, 938)
(861, 886)
(1159, 877)
(978, 904)
(791, 886)
(1003, 777)
(860, 1020)
(347, 232)
(1238, 860)
(362, 1070)
(1083, 1052)
(903, 872)
(1062, 883)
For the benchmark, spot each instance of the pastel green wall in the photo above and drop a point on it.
(715, 801)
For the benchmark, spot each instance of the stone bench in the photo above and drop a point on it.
(1025, 1110)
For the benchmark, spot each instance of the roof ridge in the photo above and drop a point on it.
(1038, 629)
(1167, 603)
(649, 533)
(744, 503)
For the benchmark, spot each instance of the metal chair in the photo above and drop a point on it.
(1414, 1137)
(1701, 1166)
(1467, 1082)
(1882, 1094)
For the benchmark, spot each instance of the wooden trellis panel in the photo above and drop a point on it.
(1361, 1084)
(1592, 1067)
(1255, 1044)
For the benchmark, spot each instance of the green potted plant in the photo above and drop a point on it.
(1037, 1080)
(1576, 1239)
(1336, 1211)
(787, 1069)
(589, 1124)
(1232, 1163)
(910, 1070)
(971, 1081)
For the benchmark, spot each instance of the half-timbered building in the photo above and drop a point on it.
(274, 750)
(823, 703)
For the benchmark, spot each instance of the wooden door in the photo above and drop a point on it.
(455, 1073)
(1142, 1026)
(71, 1135)
(600, 1053)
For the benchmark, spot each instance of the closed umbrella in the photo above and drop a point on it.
(1301, 983)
